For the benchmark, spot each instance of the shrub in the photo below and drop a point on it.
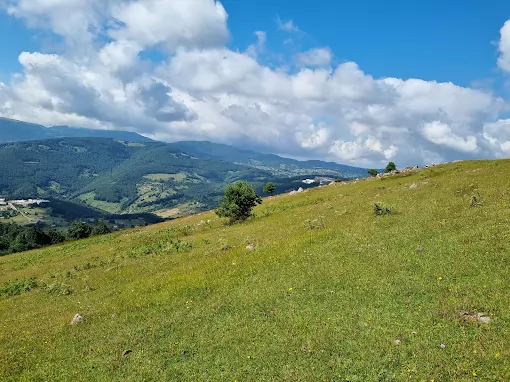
(315, 223)
(390, 167)
(79, 230)
(381, 210)
(238, 201)
(269, 188)
(373, 172)
(16, 287)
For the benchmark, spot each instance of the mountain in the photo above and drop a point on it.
(17, 131)
(328, 290)
(269, 162)
(123, 177)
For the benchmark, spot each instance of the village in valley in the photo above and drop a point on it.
(20, 208)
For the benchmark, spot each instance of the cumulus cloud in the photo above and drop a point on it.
(315, 57)
(504, 48)
(203, 90)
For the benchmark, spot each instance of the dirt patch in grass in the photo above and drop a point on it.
(168, 213)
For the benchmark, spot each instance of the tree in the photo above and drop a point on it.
(269, 188)
(79, 230)
(390, 167)
(100, 228)
(373, 172)
(238, 201)
(55, 236)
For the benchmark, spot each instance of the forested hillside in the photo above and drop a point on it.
(115, 176)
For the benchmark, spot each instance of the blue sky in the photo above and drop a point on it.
(433, 40)
(314, 86)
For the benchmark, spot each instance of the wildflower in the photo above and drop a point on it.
(497, 355)
(439, 278)
(474, 374)
(442, 346)
(290, 289)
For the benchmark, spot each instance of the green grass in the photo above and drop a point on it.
(324, 296)
(89, 198)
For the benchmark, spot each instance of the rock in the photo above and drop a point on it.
(293, 193)
(397, 342)
(77, 319)
(482, 317)
(126, 352)
(475, 317)
(300, 189)
(332, 184)
(419, 250)
(250, 248)
(414, 185)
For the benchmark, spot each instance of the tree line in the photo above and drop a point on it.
(16, 238)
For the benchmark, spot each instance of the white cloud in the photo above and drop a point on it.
(504, 48)
(441, 134)
(202, 90)
(287, 26)
(315, 57)
(498, 134)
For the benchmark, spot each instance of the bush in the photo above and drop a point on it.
(373, 172)
(238, 201)
(79, 230)
(390, 167)
(269, 188)
(381, 210)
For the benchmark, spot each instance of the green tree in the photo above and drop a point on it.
(55, 236)
(100, 228)
(390, 167)
(238, 201)
(269, 188)
(79, 230)
(373, 172)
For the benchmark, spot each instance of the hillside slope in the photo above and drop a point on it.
(275, 164)
(331, 291)
(116, 176)
(12, 130)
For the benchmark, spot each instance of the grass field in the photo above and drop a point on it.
(331, 292)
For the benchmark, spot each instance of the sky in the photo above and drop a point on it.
(357, 82)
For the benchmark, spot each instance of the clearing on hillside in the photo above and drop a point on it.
(315, 287)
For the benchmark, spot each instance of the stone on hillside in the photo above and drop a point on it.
(475, 317)
(397, 342)
(300, 189)
(419, 250)
(250, 248)
(414, 185)
(332, 183)
(77, 319)
(293, 192)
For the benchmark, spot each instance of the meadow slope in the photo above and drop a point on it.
(331, 291)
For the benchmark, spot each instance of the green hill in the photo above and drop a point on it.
(275, 164)
(116, 176)
(125, 177)
(12, 130)
(332, 291)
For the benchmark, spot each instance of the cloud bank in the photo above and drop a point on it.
(105, 76)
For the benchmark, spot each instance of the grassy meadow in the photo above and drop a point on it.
(332, 292)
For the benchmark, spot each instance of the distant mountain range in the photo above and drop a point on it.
(12, 130)
(121, 172)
